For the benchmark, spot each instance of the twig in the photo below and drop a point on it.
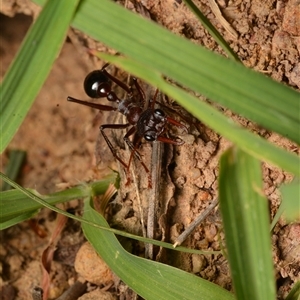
(154, 192)
(183, 236)
(74, 292)
(217, 12)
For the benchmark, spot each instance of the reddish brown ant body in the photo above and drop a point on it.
(144, 120)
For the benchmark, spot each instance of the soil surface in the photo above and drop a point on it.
(63, 148)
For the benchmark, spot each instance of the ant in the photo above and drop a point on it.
(146, 121)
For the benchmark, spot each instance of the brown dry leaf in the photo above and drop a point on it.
(47, 255)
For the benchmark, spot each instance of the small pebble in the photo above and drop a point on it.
(91, 266)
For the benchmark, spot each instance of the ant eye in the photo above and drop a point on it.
(149, 138)
(159, 112)
(92, 82)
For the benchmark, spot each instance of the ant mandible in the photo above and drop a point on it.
(146, 121)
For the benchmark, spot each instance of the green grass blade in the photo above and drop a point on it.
(149, 279)
(15, 202)
(294, 294)
(291, 201)
(229, 83)
(16, 160)
(244, 91)
(32, 65)
(249, 142)
(17, 219)
(212, 30)
(246, 223)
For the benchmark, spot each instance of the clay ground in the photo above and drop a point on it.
(60, 139)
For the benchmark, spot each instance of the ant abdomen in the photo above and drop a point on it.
(97, 84)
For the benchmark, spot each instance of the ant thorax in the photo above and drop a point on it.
(131, 110)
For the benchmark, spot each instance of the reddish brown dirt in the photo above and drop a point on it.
(60, 141)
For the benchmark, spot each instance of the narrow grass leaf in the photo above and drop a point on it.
(294, 294)
(249, 142)
(151, 280)
(15, 162)
(32, 65)
(246, 223)
(212, 30)
(17, 219)
(14, 203)
(291, 201)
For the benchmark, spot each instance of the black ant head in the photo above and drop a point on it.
(97, 84)
(151, 124)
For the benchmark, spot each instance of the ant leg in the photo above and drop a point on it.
(133, 147)
(124, 86)
(114, 79)
(105, 66)
(140, 90)
(186, 119)
(128, 142)
(109, 144)
(167, 140)
(92, 104)
(134, 152)
(154, 99)
(176, 123)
